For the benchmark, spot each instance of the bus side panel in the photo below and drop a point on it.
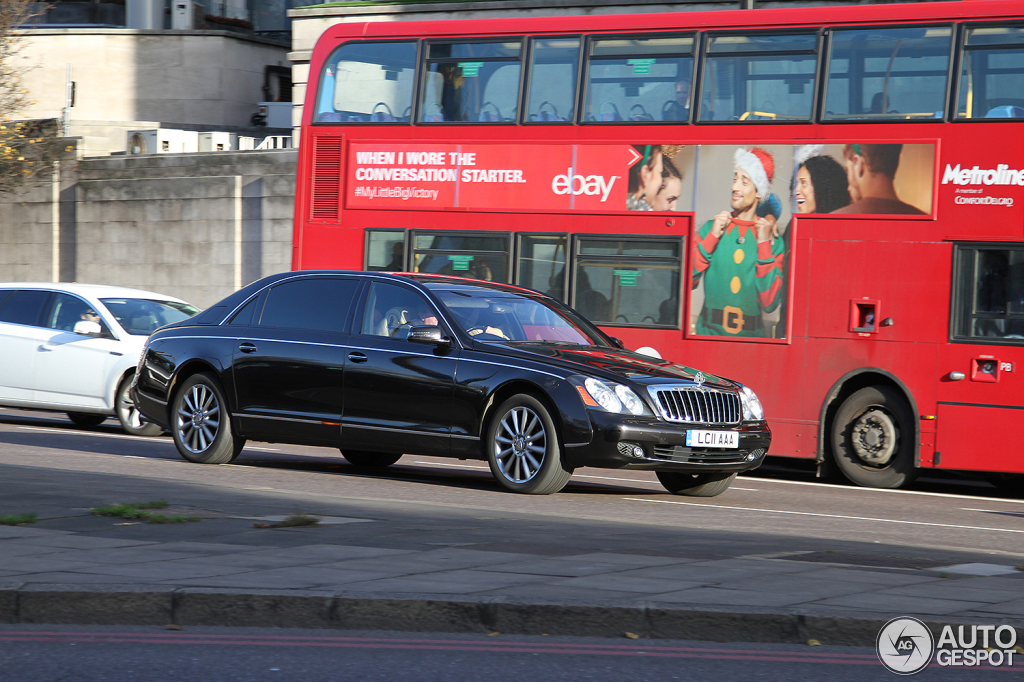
(980, 438)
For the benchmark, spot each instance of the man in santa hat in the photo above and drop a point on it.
(739, 256)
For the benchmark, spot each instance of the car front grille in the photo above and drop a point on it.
(693, 405)
(682, 455)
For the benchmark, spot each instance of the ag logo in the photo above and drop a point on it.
(905, 646)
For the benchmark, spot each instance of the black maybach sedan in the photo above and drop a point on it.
(380, 365)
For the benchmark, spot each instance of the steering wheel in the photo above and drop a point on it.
(481, 330)
(395, 318)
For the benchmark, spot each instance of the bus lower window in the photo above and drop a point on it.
(992, 79)
(541, 263)
(481, 255)
(888, 74)
(471, 82)
(759, 78)
(632, 283)
(991, 293)
(368, 83)
(639, 80)
(385, 250)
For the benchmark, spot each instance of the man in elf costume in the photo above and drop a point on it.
(739, 256)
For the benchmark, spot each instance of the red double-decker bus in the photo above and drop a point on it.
(826, 204)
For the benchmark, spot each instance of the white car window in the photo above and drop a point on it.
(142, 316)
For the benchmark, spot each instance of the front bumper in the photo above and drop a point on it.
(664, 446)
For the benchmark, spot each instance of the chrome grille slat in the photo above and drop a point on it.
(696, 405)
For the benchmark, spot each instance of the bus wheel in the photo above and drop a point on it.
(370, 460)
(873, 438)
(523, 449)
(695, 485)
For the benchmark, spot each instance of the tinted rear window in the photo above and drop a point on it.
(24, 307)
(309, 304)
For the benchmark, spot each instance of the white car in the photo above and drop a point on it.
(74, 348)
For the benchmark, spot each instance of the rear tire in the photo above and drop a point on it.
(128, 414)
(523, 448)
(200, 423)
(695, 485)
(873, 438)
(86, 420)
(370, 460)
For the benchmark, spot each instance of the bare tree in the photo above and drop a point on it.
(28, 148)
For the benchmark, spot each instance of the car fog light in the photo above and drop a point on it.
(754, 454)
(631, 449)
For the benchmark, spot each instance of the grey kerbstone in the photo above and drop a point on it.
(253, 608)
(414, 615)
(725, 626)
(569, 620)
(95, 605)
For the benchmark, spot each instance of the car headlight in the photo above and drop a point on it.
(610, 397)
(752, 408)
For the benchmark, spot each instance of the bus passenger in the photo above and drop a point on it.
(870, 170)
(738, 258)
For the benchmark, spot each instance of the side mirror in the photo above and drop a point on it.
(430, 335)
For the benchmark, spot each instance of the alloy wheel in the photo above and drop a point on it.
(520, 444)
(198, 420)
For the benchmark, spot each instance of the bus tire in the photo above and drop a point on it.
(523, 448)
(695, 485)
(370, 460)
(873, 438)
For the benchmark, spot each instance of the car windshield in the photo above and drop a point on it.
(142, 316)
(503, 316)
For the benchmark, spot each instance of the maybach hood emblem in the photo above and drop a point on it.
(698, 379)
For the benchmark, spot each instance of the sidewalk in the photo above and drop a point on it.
(370, 566)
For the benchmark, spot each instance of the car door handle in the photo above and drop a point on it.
(357, 357)
(46, 348)
(247, 347)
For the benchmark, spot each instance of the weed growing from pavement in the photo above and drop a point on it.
(18, 519)
(137, 511)
(293, 521)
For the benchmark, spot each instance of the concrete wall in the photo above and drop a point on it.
(128, 78)
(196, 226)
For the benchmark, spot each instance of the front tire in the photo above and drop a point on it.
(86, 420)
(128, 414)
(201, 424)
(370, 460)
(695, 485)
(523, 448)
(873, 438)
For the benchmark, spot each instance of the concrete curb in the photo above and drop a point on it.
(114, 605)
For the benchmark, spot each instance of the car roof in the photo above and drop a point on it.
(93, 290)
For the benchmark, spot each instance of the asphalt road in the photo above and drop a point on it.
(80, 654)
(781, 503)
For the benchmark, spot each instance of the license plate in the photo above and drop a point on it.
(712, 439)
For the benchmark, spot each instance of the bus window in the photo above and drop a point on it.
(759, 77)
(628, 281)
(479, 255)
(888, 73)
(368, 83)
(385, 250)
(541, 263)
(992, 79)
(471, 82)
(554, 64)
(990, 293)
(639, 79)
